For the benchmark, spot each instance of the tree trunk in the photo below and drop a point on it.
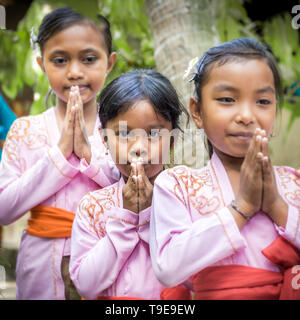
(182, 30)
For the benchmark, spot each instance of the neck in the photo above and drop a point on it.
(230, 163)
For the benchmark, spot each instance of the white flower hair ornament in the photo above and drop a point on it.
(190, 68)
(33, 39)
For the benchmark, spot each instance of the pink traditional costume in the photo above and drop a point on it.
(194, 237)
(110, 248)
(35, 175)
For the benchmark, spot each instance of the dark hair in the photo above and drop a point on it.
(65, 17)
(120, 94)
(241, 48)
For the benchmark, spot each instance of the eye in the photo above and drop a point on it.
(90, 59)
(264, 101)
(154, 134)
(59, 61)
(123, 134)
(225, 100)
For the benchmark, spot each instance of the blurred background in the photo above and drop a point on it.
(162, 35)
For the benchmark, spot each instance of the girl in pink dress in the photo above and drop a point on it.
(110, 236)
(231, 229)
(50, 161)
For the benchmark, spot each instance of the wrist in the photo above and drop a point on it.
(278, 208)
(247, 208)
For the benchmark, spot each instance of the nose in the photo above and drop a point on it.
(139, 148)
(245, 114)
(74, 71)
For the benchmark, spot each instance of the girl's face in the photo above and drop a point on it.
(237, 98)
(76, 56)
(139, 132)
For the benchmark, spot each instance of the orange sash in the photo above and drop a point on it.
(50, 222)
(237, 282)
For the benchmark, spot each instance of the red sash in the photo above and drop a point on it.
(237, 282)
(174, 293)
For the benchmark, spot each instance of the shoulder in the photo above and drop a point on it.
(183, 174)
(100, 201)
(22, 126)
(95, 206)
(286, 177)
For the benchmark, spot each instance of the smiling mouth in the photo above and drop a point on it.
(242, 135)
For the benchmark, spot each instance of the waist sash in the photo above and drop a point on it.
(50, 222)
(237, 282)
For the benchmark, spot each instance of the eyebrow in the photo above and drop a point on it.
(63, 52)
(225, 87)
(266, 90)
(158, 126)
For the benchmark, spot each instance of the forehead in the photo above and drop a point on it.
(243, 73)
(140, 115)
(75, 38)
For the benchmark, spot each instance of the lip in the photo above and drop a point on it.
(242, 136)
(81, 87)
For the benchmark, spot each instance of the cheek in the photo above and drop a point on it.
(124, 169)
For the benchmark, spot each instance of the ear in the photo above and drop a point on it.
(103, 137)
(111, 62)
(195, 112)
(39, 61)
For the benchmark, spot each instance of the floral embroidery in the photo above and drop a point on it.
(93, 206)
(193, 182)
(29, 131)
(290, 185)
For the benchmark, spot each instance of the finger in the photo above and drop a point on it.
(71, 102)
(79, 99)
(250, 157)
(265, 147)
(267, 165)
(131, 181)
(133, 174)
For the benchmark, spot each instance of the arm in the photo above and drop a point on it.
(287, 216)
(180, 247)
(101, 169)
(97, 258)
(22, 190)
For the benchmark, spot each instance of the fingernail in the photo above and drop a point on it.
(259, 154)
(265, 139)
(263, 132)
(265, 159)
(258, 138)
(139, 176)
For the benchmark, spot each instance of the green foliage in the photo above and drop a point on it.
(4, 262)
(232, 21)
(284, 41)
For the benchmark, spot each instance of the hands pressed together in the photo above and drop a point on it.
(137, 193)
(74, 138)
(258, 188)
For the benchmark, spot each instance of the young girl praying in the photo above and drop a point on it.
(110, 237)
(230, 230)
(50, 161)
